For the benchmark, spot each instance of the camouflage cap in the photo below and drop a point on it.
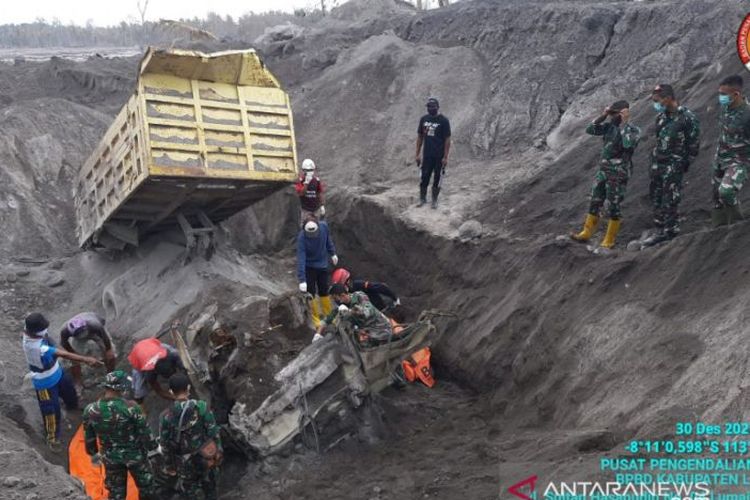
(117, 380)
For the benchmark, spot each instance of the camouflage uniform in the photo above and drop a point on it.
(121, 428)
(732, 155)
(677, 136)
(181, 443)
(615, 166)
(365, 317)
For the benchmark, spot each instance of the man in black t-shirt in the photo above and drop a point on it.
(434, 133)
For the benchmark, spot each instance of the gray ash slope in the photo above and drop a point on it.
(576, 352)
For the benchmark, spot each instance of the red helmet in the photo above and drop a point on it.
(341, 276)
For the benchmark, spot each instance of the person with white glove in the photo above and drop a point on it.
(314, 249)
(310, 190)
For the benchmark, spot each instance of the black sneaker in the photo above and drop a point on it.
(434, 204)
(422, 203)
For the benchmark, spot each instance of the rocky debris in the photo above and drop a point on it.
(11, 481)
(470, 230)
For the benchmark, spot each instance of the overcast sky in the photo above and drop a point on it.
(109, 12)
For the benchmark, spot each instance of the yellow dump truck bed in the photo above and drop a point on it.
(209, 133)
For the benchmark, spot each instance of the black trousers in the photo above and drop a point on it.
(317, 281)
(430, 167)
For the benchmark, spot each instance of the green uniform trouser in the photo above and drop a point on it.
(609, 185)
(196, 482)
(727, 180)
(116, 480)
(665, 192)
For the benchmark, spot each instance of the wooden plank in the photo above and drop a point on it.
(220, 127)
(213, 173)
(207, 103)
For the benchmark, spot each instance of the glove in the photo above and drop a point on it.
(317, 337)
(335, 260)
(343, 309)
(96, 459)
(303, 287)
(322, 211)
(397, 303)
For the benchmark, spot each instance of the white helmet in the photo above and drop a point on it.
(308, 165)
(311, 227)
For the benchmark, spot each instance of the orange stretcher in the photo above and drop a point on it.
(91, 475)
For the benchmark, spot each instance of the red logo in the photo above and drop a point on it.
(743, 42)
(515, 489)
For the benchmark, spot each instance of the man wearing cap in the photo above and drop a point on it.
(116, 434)
(730, 167)
(314, 248)
(48, 377)
(79, 331)
(434, 143)
(310, 189)
(150, 359)
(620, 140)
(677, 145)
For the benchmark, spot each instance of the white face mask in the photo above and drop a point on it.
(308, 177)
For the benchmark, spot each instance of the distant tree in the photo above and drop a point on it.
(142, 8)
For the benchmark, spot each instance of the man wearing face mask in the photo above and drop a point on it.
(620, 140)
(434, 133)
(677, 144)
(733, 152)
(309, 188)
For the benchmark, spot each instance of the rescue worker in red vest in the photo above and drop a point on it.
(379, 294)
(309, 188)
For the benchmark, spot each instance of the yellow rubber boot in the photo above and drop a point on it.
(589, 228)
(315, 311)
(327, 305)
(612, 229)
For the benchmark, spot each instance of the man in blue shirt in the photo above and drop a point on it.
(50, 380)
(314, 246)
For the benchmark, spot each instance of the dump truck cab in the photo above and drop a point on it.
(320, 391)
(202, 137)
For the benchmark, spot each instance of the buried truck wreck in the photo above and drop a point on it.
(320, 391)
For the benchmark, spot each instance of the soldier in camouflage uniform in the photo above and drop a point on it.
(372, 326)
(733, 152)
(126, 440)
(677, 143)
(186, 426)
(614, 170)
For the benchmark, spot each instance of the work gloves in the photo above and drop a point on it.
(343, 309)
(322, 211)
(397, 303)
(335, 260)
(317, 337)
(303, 287)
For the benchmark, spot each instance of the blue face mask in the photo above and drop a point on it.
(659, 107)
(724, 99)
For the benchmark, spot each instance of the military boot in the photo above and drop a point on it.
(719, 217)
(612, 229)
(589, 228)
(734, 213)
